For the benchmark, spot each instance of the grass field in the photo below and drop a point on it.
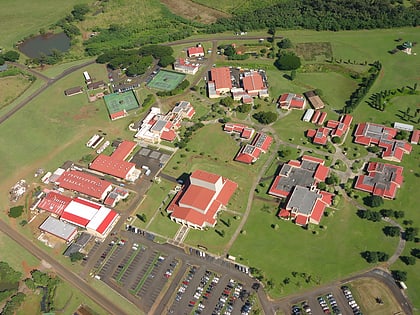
(117, 102)
(28, 17)
(166, 80)
(11, 88)
(332, 254)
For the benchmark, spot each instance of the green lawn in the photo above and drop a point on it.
(28, 17)
(332, 254)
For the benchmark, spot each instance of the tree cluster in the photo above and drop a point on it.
(333, 15)
(243, 108)
(392, 213)
(369, 215)
(265, 117)
(13, 304)
(374, 256)
(392, 231)
(373, 201)
(287, 61)
(188, 134)
(410, 234)
(10, 55)
(128, 59)
(363, 88)
(399, 275)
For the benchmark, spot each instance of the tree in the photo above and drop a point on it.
(285, 43)
(16, 212)
(370, 257)
(373, 201)
(244, 108)
(333, 179)
(142, 217)
(415, 252)
(322, 185)
(79, 11)
(399, 275)
(408, 260)
(386, 212)
(76, 256)
(410, 233)
(265, 117)
(336, 140)
(11, 55)
(286, 280)
(399, 214)
(166, 60)
(391, 231)
(288, 62)
(227, 101)
(229, 51)
(293, 75)
(285, 153)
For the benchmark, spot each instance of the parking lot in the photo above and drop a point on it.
(149, 159)
(335, 301)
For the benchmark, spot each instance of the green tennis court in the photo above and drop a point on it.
(166, 80)
(117, 102)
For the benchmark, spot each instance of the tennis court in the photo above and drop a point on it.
(117, 102)
(166, 80)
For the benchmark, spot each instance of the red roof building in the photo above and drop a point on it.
(108, 165)
(334, 128)
(54, 202)
(415, 137)
(84, 183)
(221, 79)
(306, 205)
(382, 180)
(184, 66)
(253, 83)
(307, 172)
(291, 101)
(199, 201)
(373, 134)
(322, 118)
(124, 149)
(316, 116)
(97, 219)
(243, 131)
(194, 52)
(250, 153)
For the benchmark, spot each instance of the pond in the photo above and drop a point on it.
(34, 47)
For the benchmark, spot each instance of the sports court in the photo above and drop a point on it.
(118, 102)
(166, 80)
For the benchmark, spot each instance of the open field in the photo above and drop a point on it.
(232, 6)
(28, 17)
(331, 254)
(193, 10)
(365, 291)
(11, 88)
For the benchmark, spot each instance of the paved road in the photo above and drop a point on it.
(76, 281)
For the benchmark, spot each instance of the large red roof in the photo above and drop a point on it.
(123, 150)
(195, 51)
(75, 219)
(221, 78)
(168, 135)
(207, 200)
(321, 173)
(253, 82)
(84, 183)
(54, 202)
(109, 165)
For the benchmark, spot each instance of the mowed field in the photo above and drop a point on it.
(20, 18)
(11, 88)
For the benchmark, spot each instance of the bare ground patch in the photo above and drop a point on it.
(194, 11)
(310, 51)
(366, 291)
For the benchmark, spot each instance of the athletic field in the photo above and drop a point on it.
(117, 102)
(166, 80)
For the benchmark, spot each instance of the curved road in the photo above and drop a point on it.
(62, 271)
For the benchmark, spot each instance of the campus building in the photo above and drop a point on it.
(54, 203)
(382, 180)
(60, 229)
(84, 183)
(96, 218)
(314, 100)
(220, 82)
(306, 205)
(156, 126)
(384, 137)
(197, 204)
(195, 52)
(185, 66)
(333, 128)
(291, 101)
(115, 163)
(242, 130)
(249, 153)
(307, 172)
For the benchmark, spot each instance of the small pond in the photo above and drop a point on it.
(34, 47)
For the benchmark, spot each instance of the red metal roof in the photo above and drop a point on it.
(168, 135)
(322, 118)
(415, 137)
(244, 158)
(197, 197)
(301, 220)
(124, 150)
(54, 202)
(109, 219)
(313, 159)
(277, 192)
(195, 51)
(253, 82)
(321, 173)
(108, 165)
(311, 133)
(284, 213)
(117, 115)
(315, 117)
(221, 78)
(205, 176)
(75, 219)
(84, 183)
